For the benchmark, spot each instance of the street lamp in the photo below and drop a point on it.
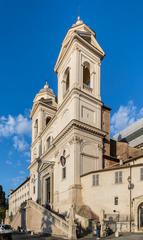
(130, 187)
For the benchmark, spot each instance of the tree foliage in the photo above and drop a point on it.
(2, 204)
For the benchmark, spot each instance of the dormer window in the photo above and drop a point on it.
(48, 120)
(86, 75)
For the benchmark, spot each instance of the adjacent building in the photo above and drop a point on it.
(19, 196)
(132, 134)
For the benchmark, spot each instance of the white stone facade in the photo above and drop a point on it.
(19, 196)
(71, 138)
(74, 128)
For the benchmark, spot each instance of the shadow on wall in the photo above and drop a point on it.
(46, 224)
(23, 216)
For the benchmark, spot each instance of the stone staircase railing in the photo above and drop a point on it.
(53, 218)
(16, 219)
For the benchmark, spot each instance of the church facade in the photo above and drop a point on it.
(67, 137)
(73, 160)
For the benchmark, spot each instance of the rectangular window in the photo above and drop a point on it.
(141, 174)
(34, 190)
(64, 172)
(118, 177)
(116, 200)
(95, 180)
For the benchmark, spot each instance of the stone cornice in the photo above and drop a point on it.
(81, 126)
(81, 40)
(36, 161)
(74, 124)
(81, 92)
(112, 169)
(45, 164)
(67, 97)
(36, 105)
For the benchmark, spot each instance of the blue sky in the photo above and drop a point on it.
(31, 33)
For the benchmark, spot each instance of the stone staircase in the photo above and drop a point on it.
(40, 220)
(16, 220)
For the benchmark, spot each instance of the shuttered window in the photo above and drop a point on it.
(118, 177)
(95, 180)
(141, 174)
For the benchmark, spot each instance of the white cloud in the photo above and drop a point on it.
(14, 125)
(18, 128)
(20, 144)
(23, 125)
(125, 116)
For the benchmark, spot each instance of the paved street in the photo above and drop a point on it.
(127, 236)
(132, 236)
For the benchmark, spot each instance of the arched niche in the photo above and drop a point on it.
(36, 128)
(66, 81)
(86, 75)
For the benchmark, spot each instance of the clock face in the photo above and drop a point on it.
(63, 160)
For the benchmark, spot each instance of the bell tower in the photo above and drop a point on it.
(78, 64)
(78, 70)
(43, 110)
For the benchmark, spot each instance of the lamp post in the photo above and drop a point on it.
(130, 187)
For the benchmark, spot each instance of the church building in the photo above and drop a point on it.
(74, 163)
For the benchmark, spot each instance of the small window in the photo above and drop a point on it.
(47, 120)
(118, 177)
(64, 172)
(141, 174)
(34, 190)
(95, 180)
(116, 199)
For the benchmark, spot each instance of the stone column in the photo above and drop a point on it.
(51, 189)
(39, 183)
(72, 225)
(75, 143)
(102, 221)
(98, 81)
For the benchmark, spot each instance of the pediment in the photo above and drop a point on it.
(45, 165)
(81, 32)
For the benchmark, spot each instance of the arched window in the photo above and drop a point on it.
(49, 141)
(36, 128)
(48, 120)
(66, 80)
(86, 75)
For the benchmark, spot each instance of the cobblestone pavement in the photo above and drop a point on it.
(127, 236)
